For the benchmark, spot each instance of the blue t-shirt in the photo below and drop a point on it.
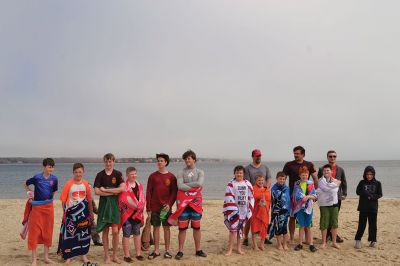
(44, 187)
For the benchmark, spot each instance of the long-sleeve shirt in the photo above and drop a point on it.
(190, 178)
(369, 192)
(161, 189)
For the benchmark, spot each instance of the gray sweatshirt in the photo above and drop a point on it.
(190, 178)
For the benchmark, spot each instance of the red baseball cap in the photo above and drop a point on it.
(256, 153)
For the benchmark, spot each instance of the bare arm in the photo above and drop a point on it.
(98, 192)
(91, 209)
(181, 185)
(315, 178)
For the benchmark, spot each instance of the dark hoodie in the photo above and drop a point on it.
(369, 192)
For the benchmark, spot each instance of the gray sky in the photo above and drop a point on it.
(82, 78)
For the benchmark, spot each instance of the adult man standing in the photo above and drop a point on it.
(189, 203)
(339, 174)
(251, 171)
(291, 169)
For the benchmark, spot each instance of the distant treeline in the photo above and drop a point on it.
(13, 160)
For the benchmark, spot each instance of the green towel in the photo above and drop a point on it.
(108, 212)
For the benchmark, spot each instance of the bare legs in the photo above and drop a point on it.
(114, 244)
(230, 244)
(167, 238)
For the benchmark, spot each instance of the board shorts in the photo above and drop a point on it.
(156, 221)
(131, 227)
(329, 217)
(189, 216)
(303, 219)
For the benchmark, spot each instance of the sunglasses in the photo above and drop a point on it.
(332, 156)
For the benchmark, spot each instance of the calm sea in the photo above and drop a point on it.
(12, 176)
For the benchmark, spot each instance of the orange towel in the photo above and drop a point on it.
(41, 221)
(260, 219)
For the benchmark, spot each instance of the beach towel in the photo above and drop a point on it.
(75, 231)
(298, 194)
(280, 210)
(108, 212)
(238, 208)
(28, 208)
(192, 198)
(130, 206)
(40, 223)
(260, 218)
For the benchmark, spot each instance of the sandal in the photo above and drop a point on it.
(313, 248)
(153, 255)
(140, 257)
(167, 255)
(299, 247)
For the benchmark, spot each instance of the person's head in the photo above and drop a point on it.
(238, 171)
(299, 152)
(131, 173)
(190, 158)
(48, 166)
(331, 156)
(162, 160)
(256, 155)
(109, 160)
(260, 180)
(327, 171)
(78, 171)
(369, 173)
(281, 178)
(304, 173)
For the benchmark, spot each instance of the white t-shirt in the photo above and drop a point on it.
(77, 193)
(241, 196)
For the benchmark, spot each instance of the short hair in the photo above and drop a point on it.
(258, 176)
(130, 169)
(299, 148)
(329, 152)
(164, 156)
(189, 153)
(281, 174)
(303, 170)
(108, 156)
(327, 166)
(77, 166)
(238, 168)
(48, 162)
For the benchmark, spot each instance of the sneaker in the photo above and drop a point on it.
(153, 255)
(128, 259)
(298, 247)
(167, 255)
(358, 244)
(179, 255)
(200, 253)
(373, 244)
(313, 248)
(98, 244)
(267, 241)
(140, 257)
(246, 242)
(339, 239)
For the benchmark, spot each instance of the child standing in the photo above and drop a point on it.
(238, 207)
(280, 211)
(260, 219)
(41, 218)
(370, 190)
(131, 204)
(327, 192)
(303, 197)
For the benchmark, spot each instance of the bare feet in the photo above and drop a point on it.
(34, 263)
(68, 261)
(255, 247)
(85, 259)
(335, 246)
(285, 247)
(116, 260)
(48, 261)
(107, 260)
(323, 246)
(280, 247)
(261, 247)
(228, 253)
(241, 252)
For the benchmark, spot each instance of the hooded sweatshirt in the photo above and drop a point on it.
(369, 192)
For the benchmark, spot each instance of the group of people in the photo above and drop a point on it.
(250, 204)
(249, 199)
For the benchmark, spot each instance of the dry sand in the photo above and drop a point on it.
(13, 250)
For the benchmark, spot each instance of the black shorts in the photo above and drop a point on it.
(156, 221)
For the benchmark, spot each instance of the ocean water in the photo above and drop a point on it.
(13, 176)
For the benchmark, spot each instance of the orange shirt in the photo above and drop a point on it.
(74, 192)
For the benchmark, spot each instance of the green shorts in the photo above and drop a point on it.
(156, 221)
(329, 217)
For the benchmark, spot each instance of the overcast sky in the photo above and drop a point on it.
(82, 78)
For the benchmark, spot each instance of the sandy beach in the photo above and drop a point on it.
(13, 250)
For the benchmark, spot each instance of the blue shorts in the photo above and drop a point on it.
(303, 219)
(189, 215)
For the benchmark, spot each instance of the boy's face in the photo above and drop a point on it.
(256, 159)
(327, 172)
(332, 157)
(260, 181)
(161, 163)
(109, 164)
(189, 162)
(78, 173)
(370, 176)
(239, 175)
(131, 176)
(281, 180)
(48, 169)
(304, 177)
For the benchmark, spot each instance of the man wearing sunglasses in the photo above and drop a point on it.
(339, 174)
